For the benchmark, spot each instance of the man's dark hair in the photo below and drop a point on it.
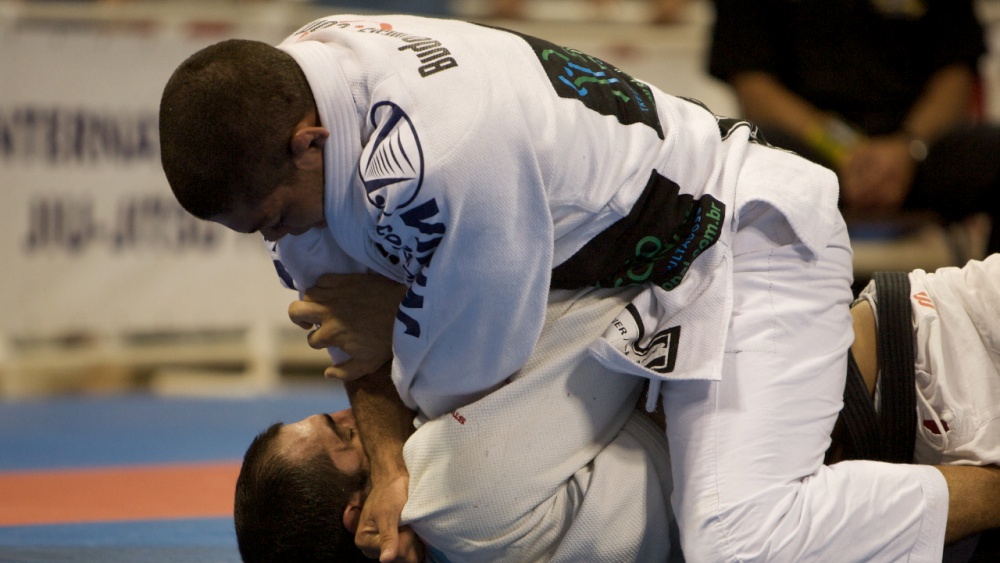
(227, 116)
(292, 510)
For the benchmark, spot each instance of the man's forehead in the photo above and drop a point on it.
(296, 441)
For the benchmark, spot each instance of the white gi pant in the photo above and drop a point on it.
(747, 450)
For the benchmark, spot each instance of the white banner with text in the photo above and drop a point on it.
(93, 238)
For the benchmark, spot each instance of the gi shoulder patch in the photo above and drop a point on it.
(656, 242)
(656, 352)
(597, 84)
(391, 166)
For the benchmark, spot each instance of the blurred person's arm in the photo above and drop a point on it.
(750, 52)
(945, 104)
(764, 99)
(879, 172)
(874, 172)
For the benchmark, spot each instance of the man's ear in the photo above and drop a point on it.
(307, 137)
(352, 512)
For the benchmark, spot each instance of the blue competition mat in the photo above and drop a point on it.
(61, 435)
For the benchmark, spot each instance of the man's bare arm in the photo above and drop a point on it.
(973, 499)
(356, 313)
(763, 99)
(944, 103)
(973, 492)
(384, 423)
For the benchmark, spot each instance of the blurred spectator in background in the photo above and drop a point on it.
(884, 92)
(661, 11)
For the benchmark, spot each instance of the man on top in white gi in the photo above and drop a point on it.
(483, 168)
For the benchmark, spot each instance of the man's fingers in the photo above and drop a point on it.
(367, 540)
(353, 372)
(356, 366)
(304, 314)
(380, 542)
(411, 549)
(352, 369)
(388, 526)
(389, 545)
(327, 281)
(389, 540)
(328, 333)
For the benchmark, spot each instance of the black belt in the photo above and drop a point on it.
(887, 435)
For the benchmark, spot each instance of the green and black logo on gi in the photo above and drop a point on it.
(600, 86)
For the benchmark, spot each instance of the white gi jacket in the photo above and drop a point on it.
(957, 364)
(484, 168)
(555, 466)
